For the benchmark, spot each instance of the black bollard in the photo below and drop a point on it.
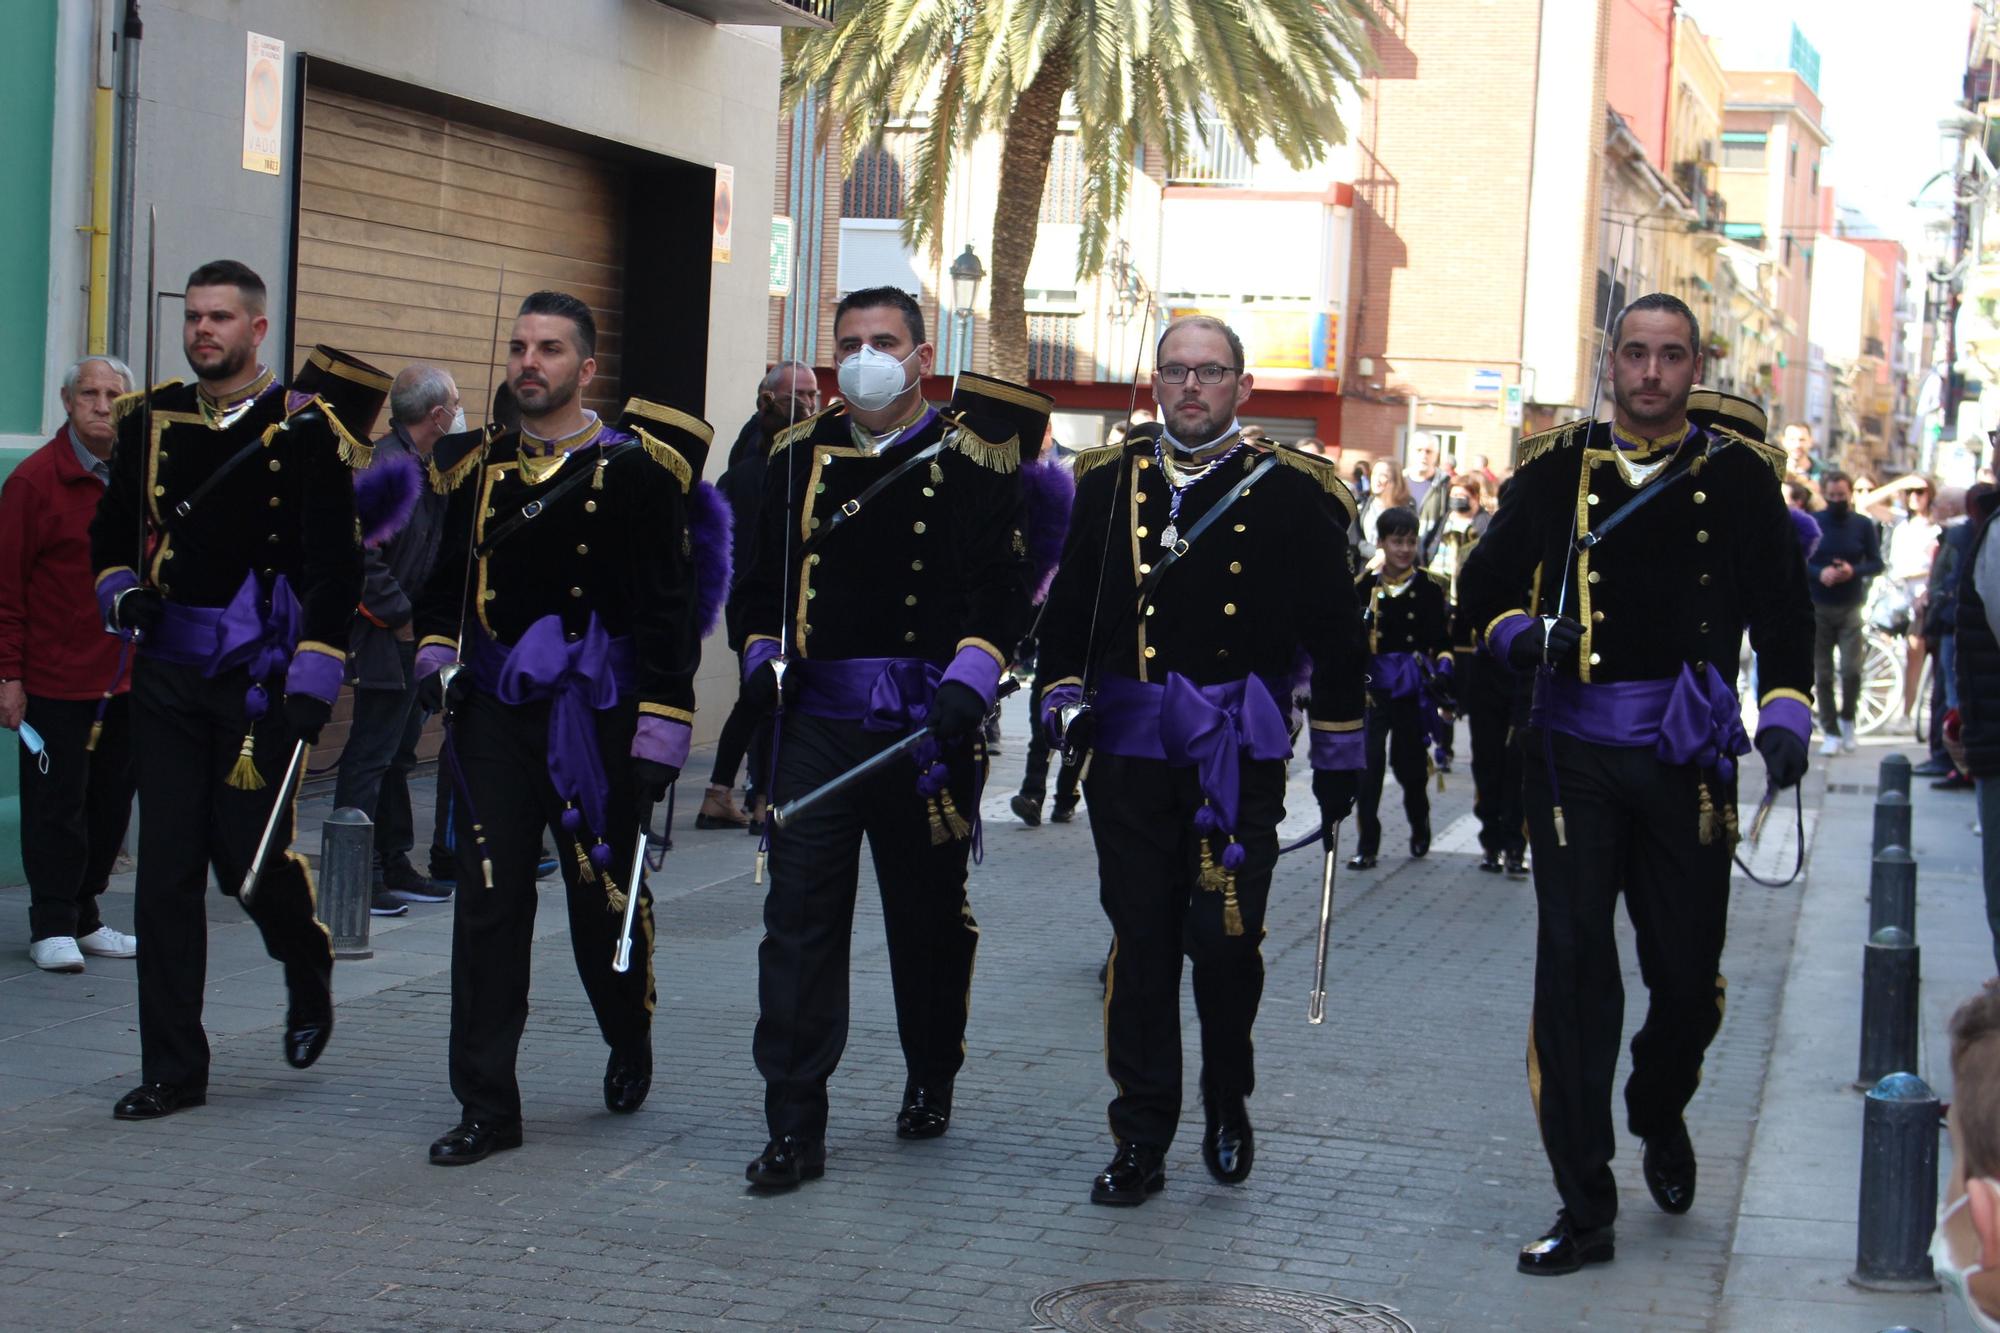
(1892, 891)
(346, 880)
(1889, 978)
(1892, 820)
(1899, 1166)
(1893, 774)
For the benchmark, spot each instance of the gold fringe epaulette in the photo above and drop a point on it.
(1540, 443)
(1772, 455)
(1443, 581)
(1088, 460)
(357, 454)
(125, 404)
(1324, 471)
(1003, 457)
(792, 434)
(446, 480)
(667, 457)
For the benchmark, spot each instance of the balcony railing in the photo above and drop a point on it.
(767, 13)
(1215, 157)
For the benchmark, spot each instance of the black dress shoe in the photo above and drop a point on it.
(1228, 1147)
(1953, 781)
(1931, 768)
(1420, 840)
(627, 1080)
(1517, 865)
(308, 1014)
(1669, 1170)
(1027, 808)
(1138, 1169)
(150, 1101)
(785, 1162)
(475, 1141)
(926, 1111)
(1361, 861)
(1565, 1249)
(1065, 810)
(1490, 863)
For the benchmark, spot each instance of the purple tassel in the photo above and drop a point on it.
(600, 855)
(572, 820)
(933, 779)
(385, 495)
(1206, 820)
(1049, 490)
(255, 703)
(710, 522)
(1233, 856)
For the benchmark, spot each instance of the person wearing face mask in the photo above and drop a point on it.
(1965, 1247)
(1847, 559)
(399, 550)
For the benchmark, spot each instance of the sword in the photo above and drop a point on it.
(621, 957)
(1316, 1008)
(250, 876)
(1763, 812)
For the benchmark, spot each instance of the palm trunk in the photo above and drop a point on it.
(1017, 215)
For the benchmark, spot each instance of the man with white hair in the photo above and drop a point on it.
(63, 680)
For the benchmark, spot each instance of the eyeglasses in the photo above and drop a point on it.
(1208, 374)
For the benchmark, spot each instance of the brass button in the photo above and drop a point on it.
(917, 565)
(1241, 528)
(1139, 531)
(582, 548)
(1590, 499)
(1150, 609)
(276, 466)
(820, 489)
(826, 458)
(576, 592)
(1701, 497)
(1236, 566)
(909, 636)
(1229, 608)
(808, 629)
(490, 511)
(273, 539)
(1141, 497)
(811, 593)
(1704, 580)
(491, 593)
(1145, 463)
(1597, 617)
(1222, 652)
(813, 524)
(910, 600)
(168, 554)
(1704, 627)
(1595, 659)
(914, 527)
(273, 502)
(1596, 577)
(928, 492)
(162, 455)
(1701, 536)
(1145, 569)
(813, 559)
(589, 507)
(159, 490)
(1151, 651)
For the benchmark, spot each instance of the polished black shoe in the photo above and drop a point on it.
(926, 1111)
(475, 1141)
(308, 1014)
(1565, 1249)
(1139, 1169)
(1027, 809)
(1670, 1169)
(1931, 768)
(1490, 862)
(785, 1162)
(1517, 865)
(1420, 841)
(150, 1101)
(1228, 1148)
(627, 1080)
(1953, 781)
(1065, 810)
(1361, 861)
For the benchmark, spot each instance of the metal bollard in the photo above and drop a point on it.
(1899, 1168)
(1892, 774)
(346, 880)
(1889, 980)
(1892, 891)
(1892, 820)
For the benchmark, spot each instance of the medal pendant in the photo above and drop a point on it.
(1171, 535)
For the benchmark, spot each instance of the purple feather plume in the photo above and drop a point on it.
(385, 495)
(709, 522)
(1807, 530)
(1050, 492)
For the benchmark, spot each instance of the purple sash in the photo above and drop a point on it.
(1688, 720)
(256, 632)
(1208, 727)
(1395, 675)
(881, 693)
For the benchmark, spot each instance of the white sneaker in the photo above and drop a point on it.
(57, 953)
(1829, 747)
(1846, 737)
(108, 943)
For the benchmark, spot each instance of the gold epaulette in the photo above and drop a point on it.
(357, 454)
(1540, 443)
(1439, 579)
(127, 403)
(445, 481)
(1088, 459)
(1002, 457)
(792, 434)
(667, 457)
(1324, 471)
(1772, 454)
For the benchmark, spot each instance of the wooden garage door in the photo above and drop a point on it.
(409, 223)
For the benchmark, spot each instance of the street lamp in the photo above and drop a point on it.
(966, 275)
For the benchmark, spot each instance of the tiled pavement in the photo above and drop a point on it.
(1398, 1160)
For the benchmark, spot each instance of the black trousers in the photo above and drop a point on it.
(186, 731)
(375, 748)
(1035, 780)
(1396, 736)
(503, 752)
(1486, 698)
(73, 817)
(802, 964)
(1632, 825)
(746, 733)
(1148, 859)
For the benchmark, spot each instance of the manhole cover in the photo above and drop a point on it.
(1208, 1307)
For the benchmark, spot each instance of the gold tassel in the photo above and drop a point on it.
(1562, 838)
(485, 861)
(597, 484)
(937, 474)
(96, 730)
(585, 871)
(1440, 775)
(614, 896)
(243, 774)
(953, 820)
(1232, 911)
(1212, 877)
(757, 869)
(940, 835)
(1708, 823)
(1729, 828)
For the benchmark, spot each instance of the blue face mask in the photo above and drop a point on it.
(36, 746)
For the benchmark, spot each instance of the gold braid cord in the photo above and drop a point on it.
(1090, 459)
(448, 480)
(1562, 436)
(125, 404)
(1003, 457)
(667, 457)
(355, 453)
(1326, 473)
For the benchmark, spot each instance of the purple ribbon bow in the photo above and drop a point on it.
(1211, 728)
(257, 632)
(899, 698)
(577, 679)
(1703, 724)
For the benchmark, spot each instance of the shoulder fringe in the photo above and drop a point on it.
(1003, 457)
(1538, 444)
(1326, 473)
(1090, 459)
(792, 434)
(1441, 580)
(125, 404)
(445, 482)
(1772, 454)
(355, 453)
(667, 457)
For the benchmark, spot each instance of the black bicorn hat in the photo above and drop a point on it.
(352, 390)
(996, 410)
(1712, 409)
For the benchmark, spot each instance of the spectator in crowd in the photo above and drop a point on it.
(1479, 466)
(1951, 577)
(1965, 1248)
(1464, 523)
(1386, 490)
(61, 676)
(1976, 714)
(789, 393)
(1801, 465)
(397, 558)
(1313, 444)
(1798, 504)
(1912, 549)
(1849, 555)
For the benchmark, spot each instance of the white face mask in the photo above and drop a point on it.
(871, 380)
(457, 420)
(1958, 1276)
(36, 746)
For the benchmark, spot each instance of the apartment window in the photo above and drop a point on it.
(1062, 196)
(1815, 176)
(1742, 150)
(1793, 169)
(874, 189)
(1750, 233)
(1052, 346)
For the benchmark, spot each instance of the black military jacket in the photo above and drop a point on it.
(1268, 580)
(1416, 620)
(286, 509)
(1678, 582)
(933, 563)
(616, 546)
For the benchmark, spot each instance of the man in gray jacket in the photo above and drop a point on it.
(401, 519)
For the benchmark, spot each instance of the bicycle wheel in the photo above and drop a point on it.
(1881, 683)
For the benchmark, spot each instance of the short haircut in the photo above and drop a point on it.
(75, 371)
(1827, 479)
(1798, 493)
(1791, 426)
(776, 375)
(1975, 1079)
(418, 391)
(1469, 483)
(1203, 322)
(874, 298)
(571, 309)
(232, 273)
(1673, 305)
(1395, 523)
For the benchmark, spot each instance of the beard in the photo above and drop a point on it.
(224, 363)
(1668, 411)
(537, 400)
(1196, 431)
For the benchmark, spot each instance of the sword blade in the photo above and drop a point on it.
(621, 957)
(250, 877)
(1316, 1007)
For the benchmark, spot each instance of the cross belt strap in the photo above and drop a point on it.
(850, 508)
(529, 511)
(179, 512)
(1679, 469)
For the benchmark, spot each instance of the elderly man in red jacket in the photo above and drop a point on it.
(61, 676)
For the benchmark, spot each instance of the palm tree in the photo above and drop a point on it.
(1138, 73)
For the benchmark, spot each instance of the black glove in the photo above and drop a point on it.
(432, 696)
(760, 690)
(305, 715)
(650, 780)
(1525, 652)
(1335, 790)
(1784, 756)
(956, 710)
(138, 610)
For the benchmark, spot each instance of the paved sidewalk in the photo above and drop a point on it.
(1398, 1158)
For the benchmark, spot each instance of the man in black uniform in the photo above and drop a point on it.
(565, 591)
(1410, 674)
(889, 569)
(1651, 543)
(226, 544)
(1239, 552)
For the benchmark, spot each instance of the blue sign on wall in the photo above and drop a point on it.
(1805, 59)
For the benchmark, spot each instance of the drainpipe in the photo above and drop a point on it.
(119, 333)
